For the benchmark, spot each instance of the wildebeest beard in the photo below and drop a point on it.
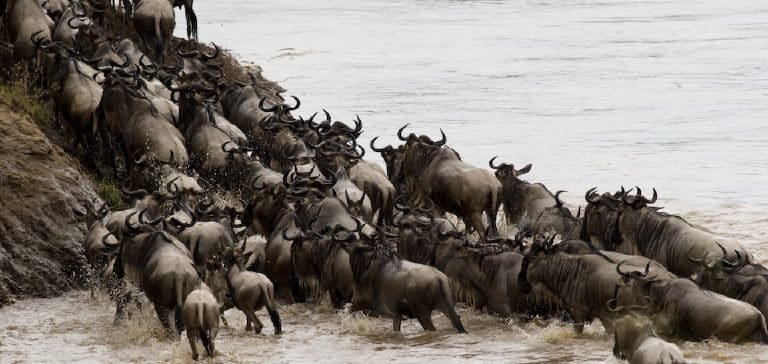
(610, 235)
(321, 252)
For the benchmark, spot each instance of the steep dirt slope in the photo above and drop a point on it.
(41, 238)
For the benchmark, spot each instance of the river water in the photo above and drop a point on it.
(665, 94)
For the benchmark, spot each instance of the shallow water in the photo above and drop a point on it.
(670, 94)
(74, 328)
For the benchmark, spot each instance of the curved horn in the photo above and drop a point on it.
(373, 147)
(172, 192)
(298, 103)
(400, 132)
(154, 221)
(256, 187)
(358, 125)
(127, 223)
(106, 237)
(212, 56)
(618, 269)
(490, 163)
(558, 203)
(655, 196)
(698, 261)
(261, 106)
(137, 193)
(589, 196)
(442, 141)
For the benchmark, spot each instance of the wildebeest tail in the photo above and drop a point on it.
(445, 303)
(761, 334)
(274, 316)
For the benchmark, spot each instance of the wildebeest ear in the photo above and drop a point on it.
(523, 170)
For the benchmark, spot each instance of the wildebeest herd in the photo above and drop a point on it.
(237, 202)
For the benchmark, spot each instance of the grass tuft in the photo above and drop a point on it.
(28, 100)
(109, 191)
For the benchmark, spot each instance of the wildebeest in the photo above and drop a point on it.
(680, 308)
(99, 244)
(78, 98)
(249, 291)
(667, 239)
(200, 316)
(743, 281)
(388, 285)
(27, 25)
(373, 180)
(532, 205)
(320, 256)
(487, 276)
(190, 15)
(269, 214)
(555, 219)
(154, 21)
(634, 340)
(143, 130)
(161, 267)
(583, 282)
(432, 171)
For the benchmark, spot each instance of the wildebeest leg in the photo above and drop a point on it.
(297, 291)
(258, 326)
(491, 213)
(247, 321)
(446, 307)
(424, 315)
(191, 337)
(223, 308)
(127, 10)
(179, 322)
(477, 223)
(162, 314)
(221, 314)
(337, 299)
(274, 316)
(207, 342)
(396, 323)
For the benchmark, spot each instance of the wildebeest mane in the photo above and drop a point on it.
(569, 278)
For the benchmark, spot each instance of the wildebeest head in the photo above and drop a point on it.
(413, 139)
(631, 327)
(541, 247)
(506, 173)
(559, 219)
(639, 201)
(279, 112)
(601, 218)
(716, 268)
(637, 285)
(393, 159)
(261, 213)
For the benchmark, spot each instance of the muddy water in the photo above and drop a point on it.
(75, 328)
(669, 94)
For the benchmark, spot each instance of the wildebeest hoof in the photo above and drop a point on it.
(195, 357)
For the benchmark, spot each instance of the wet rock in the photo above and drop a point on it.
(41, 237)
